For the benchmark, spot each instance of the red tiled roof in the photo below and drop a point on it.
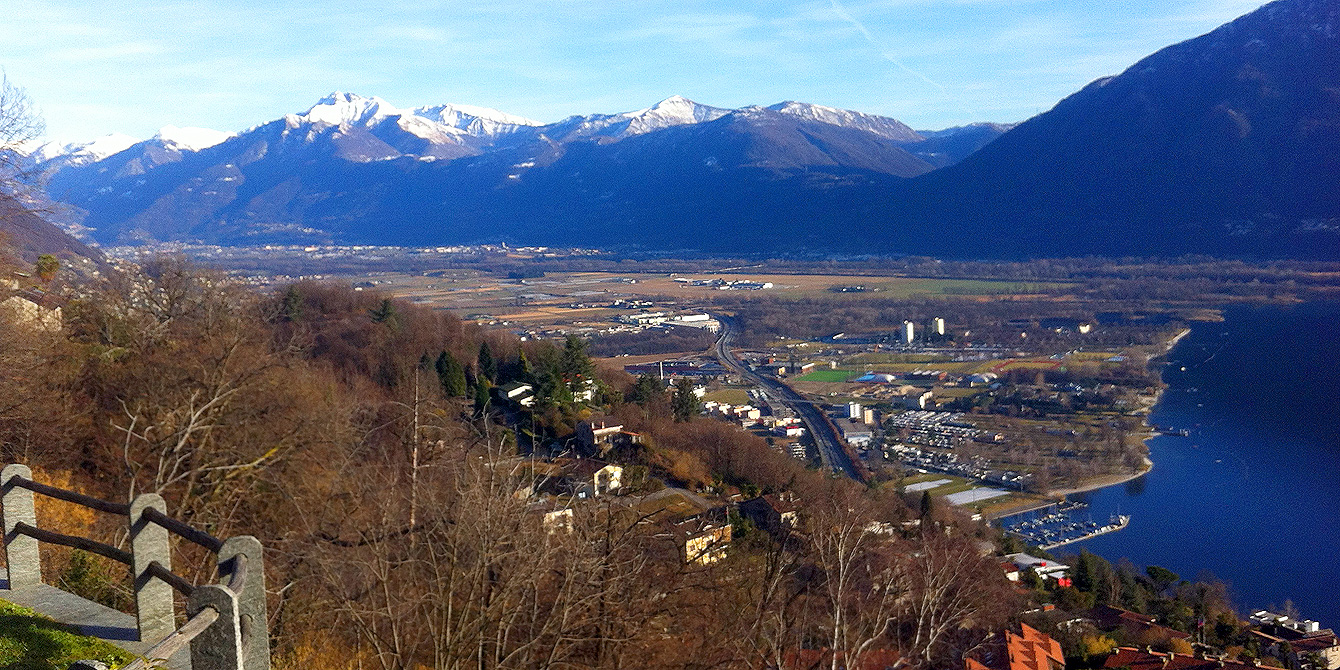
(1111, 617)
(1033, 650)
(1026, 650)
(1315, 643)
(1137, 659)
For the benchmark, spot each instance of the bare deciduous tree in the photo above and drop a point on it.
(19, 124)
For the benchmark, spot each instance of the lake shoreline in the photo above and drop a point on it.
(1115, 479)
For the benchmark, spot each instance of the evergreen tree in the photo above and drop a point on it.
(488, 365)
(482, 396)
(1092, 574)
(292, 304)
(647, 389)
(525, 370)
(1162, 577)
(684, 403)
(550, 387)
(574, 365)
(452, 375)
(927, 507)
(384, 313)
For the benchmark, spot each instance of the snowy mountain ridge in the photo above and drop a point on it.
(447, 130)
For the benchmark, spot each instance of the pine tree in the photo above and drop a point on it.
(482, 396)
(46, 268)
(525, 369)
(384, 313)
(488, 365)
(452, 376)
(292, 304)
(685, 403)
(575, 366)
(647, 389)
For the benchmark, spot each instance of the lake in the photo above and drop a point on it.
(1253, 493)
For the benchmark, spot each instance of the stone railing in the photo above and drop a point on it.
(226, 625)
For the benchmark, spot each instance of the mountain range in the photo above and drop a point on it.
(1226, 144)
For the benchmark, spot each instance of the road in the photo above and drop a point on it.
(826, 439)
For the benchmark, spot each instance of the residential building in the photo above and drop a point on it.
(774, 512)
(1044, 568)
(699, 531)
(33, 310)
(1029, 649)
(599, 434)
(1137, 625)
(520, 393)
(579, 477)
(1303, 637)
(704, 537)
(1145, 659)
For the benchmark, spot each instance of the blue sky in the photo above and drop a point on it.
(132, 66)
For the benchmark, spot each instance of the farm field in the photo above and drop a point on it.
(551, 299)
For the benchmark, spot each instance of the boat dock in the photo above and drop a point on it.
(1059, 528)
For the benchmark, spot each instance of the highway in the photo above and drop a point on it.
(826, 439)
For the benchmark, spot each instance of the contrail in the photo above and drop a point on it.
(842, 12)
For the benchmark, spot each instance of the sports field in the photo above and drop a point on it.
(826, 376)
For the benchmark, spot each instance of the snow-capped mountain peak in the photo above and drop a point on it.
(675, 110)
(477, 121)
(79, 153)
(348, 109)
(879, 125)
(191, 139)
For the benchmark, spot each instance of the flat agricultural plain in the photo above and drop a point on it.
(585, 296)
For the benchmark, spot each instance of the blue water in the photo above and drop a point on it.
(1253, 494)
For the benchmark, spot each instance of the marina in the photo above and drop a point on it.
(1059, 526)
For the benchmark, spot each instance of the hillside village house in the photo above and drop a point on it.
(699, 530)
(704, 537)
(1299, 637)
(1029, 649)
(518, 392)
(774, 512)
(599, 434)
(579, 477)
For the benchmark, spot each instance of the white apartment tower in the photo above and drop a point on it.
(938, 325)
(909, 332)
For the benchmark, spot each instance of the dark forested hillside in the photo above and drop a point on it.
(1225, 144)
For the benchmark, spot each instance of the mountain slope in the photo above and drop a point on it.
(357, 169)
(1228, 144)
(28, 236)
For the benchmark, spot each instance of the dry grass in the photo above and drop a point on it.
(480, 292)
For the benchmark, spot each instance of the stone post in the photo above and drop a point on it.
(251, 601)
(21, 555)
(153, 596)
(218, 647)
